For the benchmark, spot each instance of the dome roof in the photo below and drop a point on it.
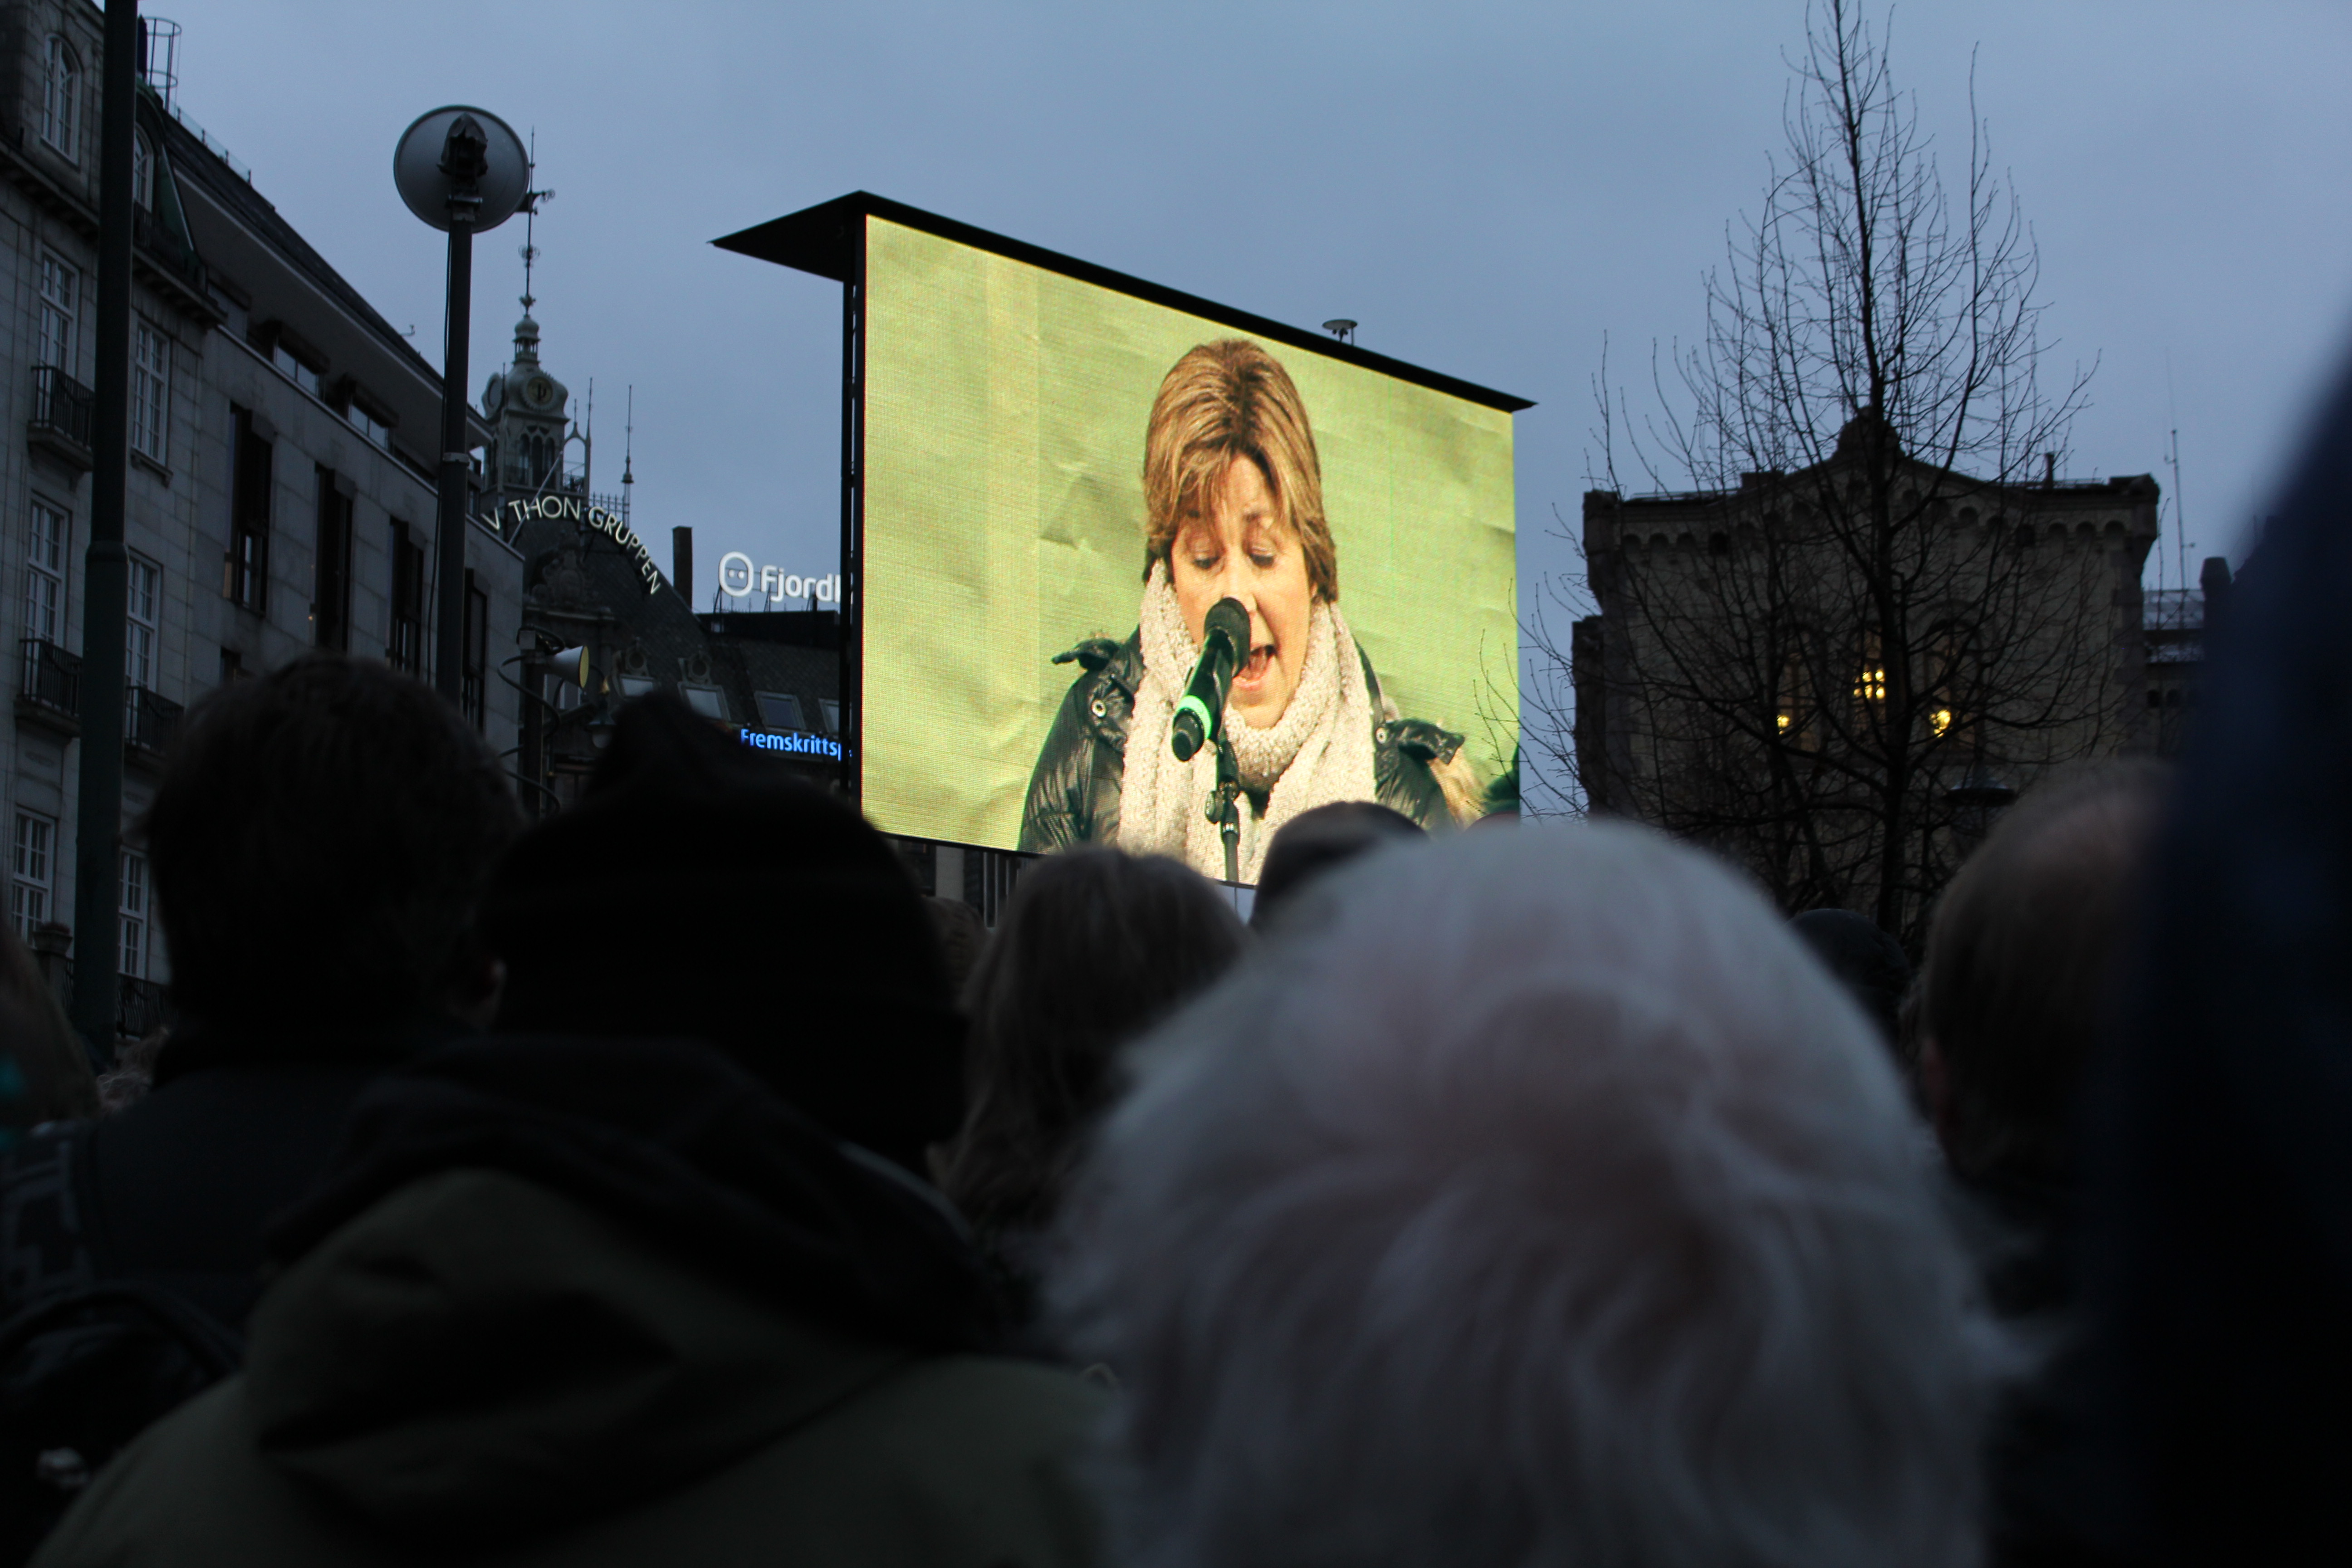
(523, 387)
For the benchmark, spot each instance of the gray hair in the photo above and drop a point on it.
(1540, 1201)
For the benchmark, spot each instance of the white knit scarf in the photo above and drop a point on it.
(1319, 751)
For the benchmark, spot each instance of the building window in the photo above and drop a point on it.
(475, 685)
(34, 870)
(638, 685)
(331, 599)
(831, 708)
(707, 700)
(45, 574)
(150, 392)
(369, 425)
(142, 171)
(133, 909)
(299, 371)
(61, 304)
(779, 710)
(60, 95)
(246, 580)
(143, 602)
(405, 649)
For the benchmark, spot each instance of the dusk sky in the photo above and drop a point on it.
(1489, 189)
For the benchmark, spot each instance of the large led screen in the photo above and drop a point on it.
(1060, 479)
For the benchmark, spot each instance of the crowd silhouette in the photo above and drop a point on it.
(670, 1181)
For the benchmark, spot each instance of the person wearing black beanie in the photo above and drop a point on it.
(647, 1275)
(698, 889)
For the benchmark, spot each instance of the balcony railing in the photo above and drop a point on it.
(62, 410)
(143, 1008)
(150, 723)
(166, 249)
(52, 678)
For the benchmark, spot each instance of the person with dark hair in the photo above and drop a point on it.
(1867, 961)
(2014, 998)
(963, 937)
(648, 1275)
(318, 842)
(1097, 946)
(1313, 842)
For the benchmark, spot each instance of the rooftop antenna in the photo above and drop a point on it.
(2180, 526)
(1341, 328)
(628, 444)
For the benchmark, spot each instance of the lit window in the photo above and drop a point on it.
(145, 595)
(133, 911)
(302, 374)
(60, 95)
(1940, 719)
(34, 868)
(780, 711)
(1783, 722)
(1872, 687)
(45, 572)
(150, 392)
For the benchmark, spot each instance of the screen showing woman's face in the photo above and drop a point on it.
(1238, 546)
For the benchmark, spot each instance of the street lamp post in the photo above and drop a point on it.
(463, 171)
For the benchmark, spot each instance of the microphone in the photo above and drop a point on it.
(1224, 641)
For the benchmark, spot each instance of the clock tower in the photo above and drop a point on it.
(526, 408)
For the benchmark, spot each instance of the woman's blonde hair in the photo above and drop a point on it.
(1222, 401)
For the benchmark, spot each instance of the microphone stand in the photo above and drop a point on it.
(1223, 807)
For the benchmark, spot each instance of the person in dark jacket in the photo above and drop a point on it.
(318, 842)
(1097, 946)
(1233, 496)
(648, 1277)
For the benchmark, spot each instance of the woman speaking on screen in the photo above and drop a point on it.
(1233, 509)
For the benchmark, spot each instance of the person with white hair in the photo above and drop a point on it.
(1540, 1201)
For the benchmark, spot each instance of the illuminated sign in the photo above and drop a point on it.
(740, 579)
(608, 523)
(793, 742)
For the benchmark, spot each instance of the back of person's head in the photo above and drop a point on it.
(1538, 1202)
(1870, 963)
(44, 1073)
(1320, 841)
(2020, 963)
(963, 937)
(318, 840)
(699, 889)
(1095, 946)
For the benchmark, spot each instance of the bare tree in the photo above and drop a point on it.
(1868, 596)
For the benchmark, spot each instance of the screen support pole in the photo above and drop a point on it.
(852, 605)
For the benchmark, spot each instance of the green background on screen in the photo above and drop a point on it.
(1005, 408)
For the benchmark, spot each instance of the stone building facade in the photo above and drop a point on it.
(1738, 686)
(282, 486)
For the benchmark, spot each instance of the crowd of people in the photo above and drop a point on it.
(670, 1181)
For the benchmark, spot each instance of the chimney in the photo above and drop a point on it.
(2214, 580)
(681, 564)
(2049, 470)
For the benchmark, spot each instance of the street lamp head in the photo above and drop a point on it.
(461, 166)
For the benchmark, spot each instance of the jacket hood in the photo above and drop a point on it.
(546, 1278)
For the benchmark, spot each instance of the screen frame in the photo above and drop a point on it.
(828, 241)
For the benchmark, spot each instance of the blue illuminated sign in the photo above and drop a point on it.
(797, 743)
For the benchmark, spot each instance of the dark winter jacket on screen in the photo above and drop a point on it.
(607, 1301)
(1073, 792)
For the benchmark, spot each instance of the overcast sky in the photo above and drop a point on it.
(1488, 188)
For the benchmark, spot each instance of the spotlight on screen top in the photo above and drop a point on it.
(1341, 328)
